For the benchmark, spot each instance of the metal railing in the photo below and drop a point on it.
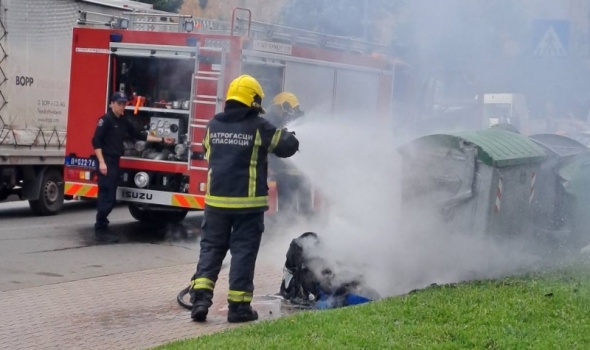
(241, 26)
(159, 22)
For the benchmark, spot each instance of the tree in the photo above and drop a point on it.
(164, 5)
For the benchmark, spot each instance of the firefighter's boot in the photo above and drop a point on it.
(202, 299)
(241, 312)
(105, 236)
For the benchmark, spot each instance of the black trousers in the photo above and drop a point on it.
(241, 235)
(107, 192)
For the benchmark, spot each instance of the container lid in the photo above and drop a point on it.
(559, 145)
(496, 147)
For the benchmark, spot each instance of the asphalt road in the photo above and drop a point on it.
(36, 251)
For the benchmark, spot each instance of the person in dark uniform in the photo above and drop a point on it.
(293, 188)
(236, 144)
(109, 135)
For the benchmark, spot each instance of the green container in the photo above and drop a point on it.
(478, 182)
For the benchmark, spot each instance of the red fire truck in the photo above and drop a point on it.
(177, 68)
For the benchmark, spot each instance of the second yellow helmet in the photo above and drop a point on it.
(286, 99)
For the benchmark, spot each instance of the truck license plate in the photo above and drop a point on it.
(81, 162)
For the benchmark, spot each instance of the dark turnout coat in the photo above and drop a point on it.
(236, 144)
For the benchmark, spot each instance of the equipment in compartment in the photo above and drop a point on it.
(160, 102)
(164, 127)
(161, 125)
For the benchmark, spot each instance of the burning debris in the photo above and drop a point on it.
(310, 281)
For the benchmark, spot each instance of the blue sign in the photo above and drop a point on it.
(551, 38)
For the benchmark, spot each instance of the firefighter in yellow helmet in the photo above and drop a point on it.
(236, 144)
(284, 109)
(293, 189)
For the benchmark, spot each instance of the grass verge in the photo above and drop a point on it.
(541, 310)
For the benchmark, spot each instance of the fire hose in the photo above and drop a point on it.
(180, 298)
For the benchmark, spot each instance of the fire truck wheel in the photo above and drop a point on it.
(143, 215)
(51, 195)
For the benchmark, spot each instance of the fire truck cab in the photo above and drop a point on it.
(176, 70)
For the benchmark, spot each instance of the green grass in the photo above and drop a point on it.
(541, 310)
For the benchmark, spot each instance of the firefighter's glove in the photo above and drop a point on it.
(288, 145)
(290, 132)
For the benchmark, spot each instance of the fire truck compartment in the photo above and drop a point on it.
(160, 87)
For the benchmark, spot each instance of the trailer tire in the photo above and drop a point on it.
(51, 195)
(147, 215)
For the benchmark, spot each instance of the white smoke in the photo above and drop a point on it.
(463, 48)
(356, 168)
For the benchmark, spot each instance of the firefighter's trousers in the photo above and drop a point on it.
(241, 235)
(107, 192)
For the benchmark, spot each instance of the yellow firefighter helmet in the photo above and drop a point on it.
(286, 100)
(247, 90)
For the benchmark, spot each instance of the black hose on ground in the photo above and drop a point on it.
(180, 298)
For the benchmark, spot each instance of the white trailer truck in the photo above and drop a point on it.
(35, 54)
